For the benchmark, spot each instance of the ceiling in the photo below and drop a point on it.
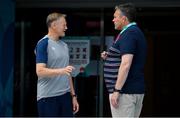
(93, 3)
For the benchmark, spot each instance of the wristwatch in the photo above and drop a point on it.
(117, 90)
(74, 95)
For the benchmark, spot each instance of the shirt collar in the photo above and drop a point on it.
(127, 26)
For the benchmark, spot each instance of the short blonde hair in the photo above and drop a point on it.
(53, 17)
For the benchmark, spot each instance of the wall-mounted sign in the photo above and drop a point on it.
(79, 53)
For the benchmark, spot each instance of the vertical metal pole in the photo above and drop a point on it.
(101, 81)
(22, 57)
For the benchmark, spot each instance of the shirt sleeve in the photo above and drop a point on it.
(128, 45)
(41, 51)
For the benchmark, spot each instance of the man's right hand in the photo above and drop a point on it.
(104, 55)
(68, 70)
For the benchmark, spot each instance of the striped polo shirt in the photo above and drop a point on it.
(131, 41)
(111, 67)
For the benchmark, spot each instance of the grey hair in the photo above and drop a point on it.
(128, 10)
(53, 17)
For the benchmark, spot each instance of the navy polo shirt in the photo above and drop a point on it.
(131, 41)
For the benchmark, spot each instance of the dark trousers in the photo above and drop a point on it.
(58, 106)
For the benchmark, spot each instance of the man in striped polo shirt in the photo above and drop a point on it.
(124, 64)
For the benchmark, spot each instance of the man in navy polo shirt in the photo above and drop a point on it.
(124, 64)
